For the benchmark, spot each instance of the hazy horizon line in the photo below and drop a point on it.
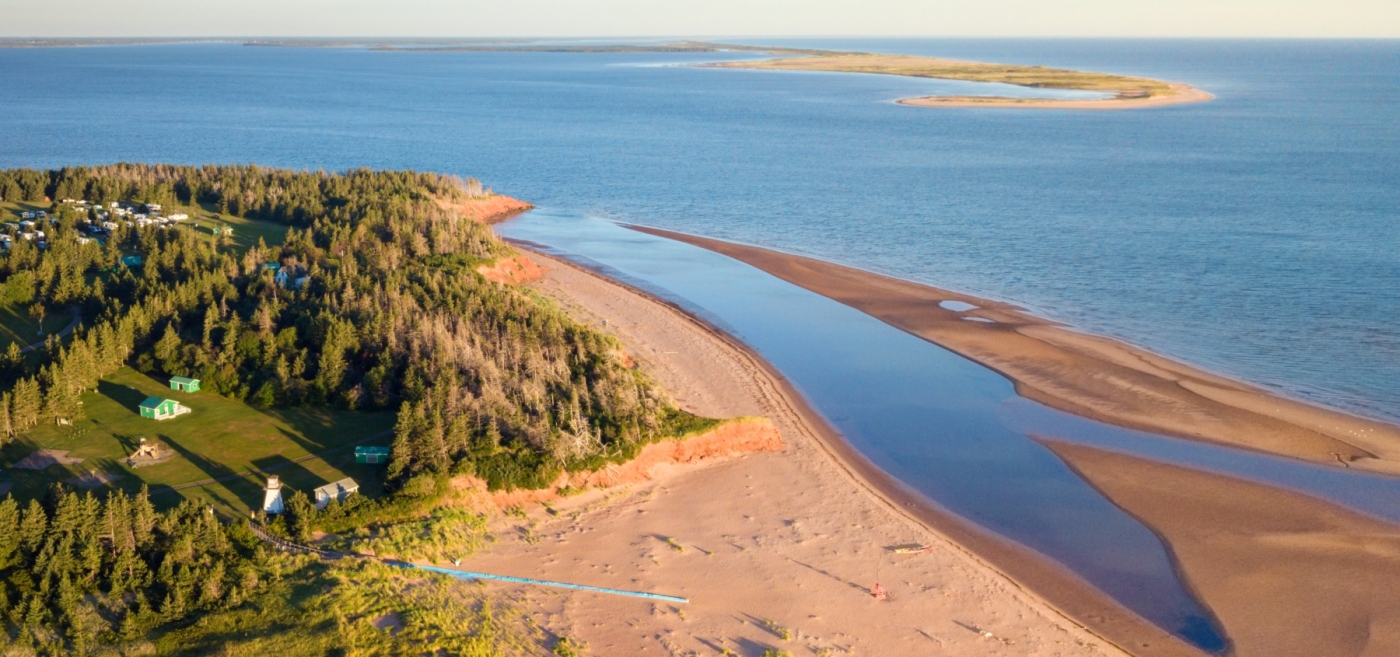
(702, 39)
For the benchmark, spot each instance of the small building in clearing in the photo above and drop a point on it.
(291, 277)
(372, 454)
(184, 384)
(337, 491)
(156, 408)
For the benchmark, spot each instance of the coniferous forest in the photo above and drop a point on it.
(378, 306)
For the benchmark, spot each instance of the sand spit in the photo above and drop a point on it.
(795, 537)
(1089, 375)
(1120, 91)
(1285, 573)
(1180, 94)
(491, 209)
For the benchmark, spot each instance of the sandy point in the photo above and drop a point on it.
(1181, 94)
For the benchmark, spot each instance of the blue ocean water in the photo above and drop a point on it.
(1255, 235)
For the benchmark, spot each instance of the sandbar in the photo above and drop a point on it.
(1120, 91)
(1180, 94)
(1286, 574)
(1089, 375)
(796, 537)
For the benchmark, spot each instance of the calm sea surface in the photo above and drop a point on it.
(1258, 235)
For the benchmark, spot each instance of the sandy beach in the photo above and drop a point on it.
(777, 544)
(1089, 375)
(1181, 94)
(1287, 574)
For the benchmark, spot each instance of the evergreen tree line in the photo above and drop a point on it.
(485, 378)
(80, 573)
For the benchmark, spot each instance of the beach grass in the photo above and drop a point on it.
(220, 439)
(361, 607)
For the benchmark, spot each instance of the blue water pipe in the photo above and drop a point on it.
(462, 574)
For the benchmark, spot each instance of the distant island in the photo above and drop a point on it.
(1120, 91)
(1126, 92)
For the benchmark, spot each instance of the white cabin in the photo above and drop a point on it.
(337, 491)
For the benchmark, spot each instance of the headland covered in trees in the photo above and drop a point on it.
(386, 311)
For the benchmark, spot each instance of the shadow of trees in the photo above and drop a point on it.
(127, 396)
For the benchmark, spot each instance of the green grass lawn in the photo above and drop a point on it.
(17, 326)
(10, 211)
(220, 438)
(245, 231)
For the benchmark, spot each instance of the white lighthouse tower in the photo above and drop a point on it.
(272, 499)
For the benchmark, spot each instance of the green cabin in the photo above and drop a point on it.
(184, 384)
(156, 408)
(371, 454)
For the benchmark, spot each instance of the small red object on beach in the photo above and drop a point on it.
(878, 592)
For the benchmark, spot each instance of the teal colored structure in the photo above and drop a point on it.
(131, 260)
(372, 454)
(156, 408)
(184, 384)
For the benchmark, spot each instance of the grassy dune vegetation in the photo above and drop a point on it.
(382, 331)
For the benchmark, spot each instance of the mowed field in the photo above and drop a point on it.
(245, 231)
(16, 325)
(221, 439)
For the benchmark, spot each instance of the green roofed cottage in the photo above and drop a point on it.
(156, 408)
(184, 384)
(371, 454)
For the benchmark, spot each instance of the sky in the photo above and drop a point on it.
(697, 18)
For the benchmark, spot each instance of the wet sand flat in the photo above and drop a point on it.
(1088, 375)
(1285, 573)
(1180, 94)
